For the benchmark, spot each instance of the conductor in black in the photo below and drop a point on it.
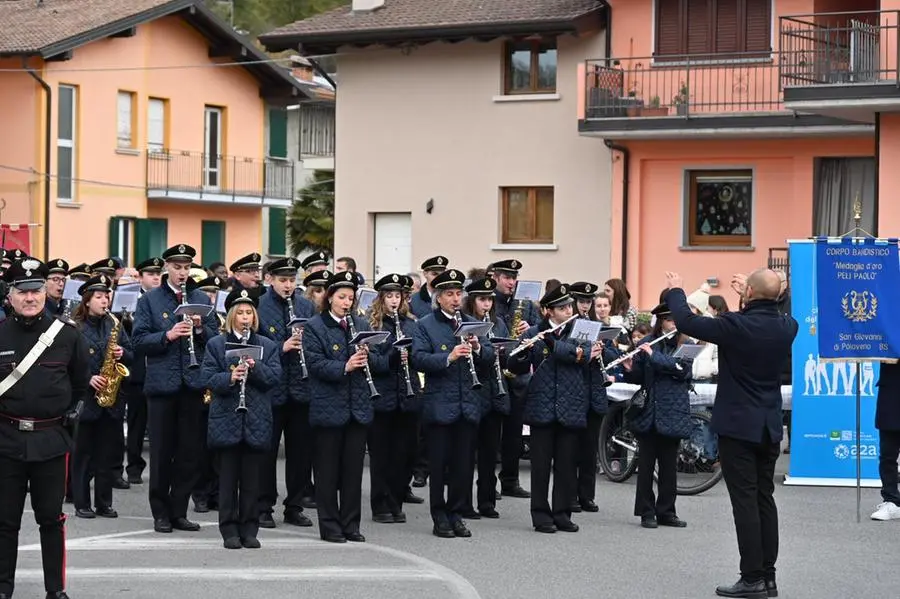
(44, 373)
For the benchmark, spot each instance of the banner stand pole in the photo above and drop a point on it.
(858, 434)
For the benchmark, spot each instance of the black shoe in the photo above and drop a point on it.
(589, 506)
(212, 505)
(185, 525)
(399, 518)
(4, 596)
(460, 529)
(444, 531)
(86, 513)
(743, 590)
(771, 588)
(673, 521)
(57, 595)
(355, 537)
(107, 512)
(383, 518)
(649, 522)
(162, 525)
(334, 538)
(201, 507)
(545, 528)
(297, 519)
(232, 543)
(121, 484)
(471, 515)
(418, 481)
(69, 499)
(567, 526)
(412, 498)
(135, 479)
(516, 491)
(489, 512)
(575, 508)
(251, 543)
(266, 520)
(308, 503)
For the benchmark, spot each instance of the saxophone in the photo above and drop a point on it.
(112, 370)
(516, 319)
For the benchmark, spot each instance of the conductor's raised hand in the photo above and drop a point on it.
(673, 280)
(739, 283)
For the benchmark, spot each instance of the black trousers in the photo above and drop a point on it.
(656, 450)
(206, 489)
(511, 441)
(292, 421)
(339, 456)
(392, 443)
(749, 472)
(47, 481)
(888, 451)
(450, 455)
(137, 429)
(420, 466)
(486, 449)
(96, 456)
(118, 437)
(588, 447)
(175, 451)
(553, 448)
(239, 472)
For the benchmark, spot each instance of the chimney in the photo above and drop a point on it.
(367, 5)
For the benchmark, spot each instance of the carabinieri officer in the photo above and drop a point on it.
(35, 407)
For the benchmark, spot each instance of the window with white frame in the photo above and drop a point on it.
(67, 106)
(156, 125)
(125, 109)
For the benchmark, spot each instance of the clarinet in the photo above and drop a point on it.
(398, 332)
(373, 392)
(498, 370)
(184, 300)
(242, 398)
(476, 384)
(304, 373)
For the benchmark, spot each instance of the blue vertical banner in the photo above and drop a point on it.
(823, 418)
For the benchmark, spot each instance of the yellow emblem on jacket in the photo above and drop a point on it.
(336, 347)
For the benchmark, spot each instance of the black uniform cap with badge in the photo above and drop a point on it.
(248, 263)
(662, 311)
(10, 256)
(107, 266)
(338, 280)
(483, 287)
(29, 274)
(284, 267)
(407, 283)
(96, 283)
(211, 284)
(449, 279)
(506, 267)
(58, 267)
(80, 272)
(179, 253)
(435, 264)
(241, 296)
(583, 290)
(391, 282)
(317, 279)
(315, 259)
(558, 297)
(150, 266)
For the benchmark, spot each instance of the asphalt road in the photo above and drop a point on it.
(824, 554)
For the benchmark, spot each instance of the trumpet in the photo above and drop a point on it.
(398, 332)
(476, 384)
(527, 343)
(304, 373)
(242, 397)
(373, 392)
(498, 369)
(635, 352)
(184, 300)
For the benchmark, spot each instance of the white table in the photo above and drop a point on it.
(705, 393)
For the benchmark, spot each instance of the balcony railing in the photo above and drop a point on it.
(840, 48)
(682, 86)
(218, 177)
(317, 130)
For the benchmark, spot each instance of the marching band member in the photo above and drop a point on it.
(556, 410)
(664, 421)
(316, 284)
(495, 400)
(107, 266)
(452, 406)
(80, 272)
(315, 262)
(394, 431)
(246, 272)
(290, 399)
(96, 446)
(56, 283)
(421, 303)
(523, 315)
(340, 408)
(241, 439)
(174, 388)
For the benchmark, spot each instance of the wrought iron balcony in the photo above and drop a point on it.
(196, 176)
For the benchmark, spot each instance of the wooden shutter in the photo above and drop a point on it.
(728, 30)
(699, 27)
(212, 241)
(277, 133)
(150, 236)
(669, 28)
(115, 224)
(277, 231)
(758, 26)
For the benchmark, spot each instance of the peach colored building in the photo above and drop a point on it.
(454, 134)
(739, 124)
(157, 130)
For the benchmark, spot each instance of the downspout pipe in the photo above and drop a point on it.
(48, 118)
(625, 187)
(608, 36)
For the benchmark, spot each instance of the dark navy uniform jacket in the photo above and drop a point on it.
(487, 374)
(96, 333)
(505, 310)
(273, 320)
(392, 384)
(420, 302)
(668, 407)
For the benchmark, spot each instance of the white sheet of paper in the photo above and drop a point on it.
(585, 331)
(221, 294)
(70, 291)
(125, 299)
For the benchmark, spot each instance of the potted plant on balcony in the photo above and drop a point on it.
(680, 100)
(654, 109)
(633, 104)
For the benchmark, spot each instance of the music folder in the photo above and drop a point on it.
(370, 338)
(70, 291)
(221, 294)
(528, 290)
(365, 297)
(405, 342)
(585, 331)
(609, 334)
(504, 343)
(476, 328)
(202, 310)
(239, 350)
(297, 322)
(125, 299)
(688, 351)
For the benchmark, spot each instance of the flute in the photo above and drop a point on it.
(529, 342)
(635, 352)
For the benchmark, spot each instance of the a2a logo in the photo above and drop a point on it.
(842, 452)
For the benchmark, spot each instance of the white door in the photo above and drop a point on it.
(393, 243)
(212, 149)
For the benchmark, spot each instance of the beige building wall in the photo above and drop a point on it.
(431, 124)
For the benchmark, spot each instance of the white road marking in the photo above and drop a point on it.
(175, 544)
(250, 574)
(70, 540)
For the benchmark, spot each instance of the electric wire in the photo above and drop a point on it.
(274, 61)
